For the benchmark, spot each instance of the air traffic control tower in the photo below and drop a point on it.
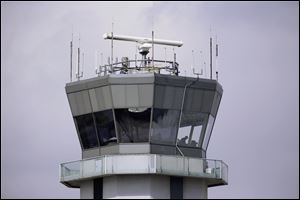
(143, 134)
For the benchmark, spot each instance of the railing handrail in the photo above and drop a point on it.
(114, 155)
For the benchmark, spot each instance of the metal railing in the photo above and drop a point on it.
(147, 65)
(143, 164)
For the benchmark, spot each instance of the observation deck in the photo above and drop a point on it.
(213, 171)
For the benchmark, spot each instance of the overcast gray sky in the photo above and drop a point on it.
(257, 128)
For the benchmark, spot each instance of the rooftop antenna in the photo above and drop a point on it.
(193, 67)
(202, 58)
(165, 56)
(112, 44)
(78, 75)
(193, 64)
(136, 47)
(78, 64)
(217, 54)
(174, 60)
(71, 59)
(82, 64)
(210, 55)
(205, 69)
(96, 63)
(152, 47)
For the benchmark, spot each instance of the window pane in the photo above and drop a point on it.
(133, 124)
(196, 136)
(183, 135)
(196, 121)
(87, 132)
(208, 131)
(164, 126)
(105, 127)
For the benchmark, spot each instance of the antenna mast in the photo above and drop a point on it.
(217, 54)
(78, 64)
(153, 48)
(210, 44)
(71, 59)
(78, 75)
(112, 45)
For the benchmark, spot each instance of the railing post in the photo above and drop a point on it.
(215, 171)
(221, 168)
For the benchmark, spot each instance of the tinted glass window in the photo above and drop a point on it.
(87, 132)
(208, 131)
(105, 127)
(184, 135)
(191, 128)
(164, 126)
(133, 124)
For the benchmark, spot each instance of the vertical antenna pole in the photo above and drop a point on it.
(71, 59)
(152, 48)
(96, 62)
(210, 44)
(78, 55)
(193, 65)
(112, 46)
(136, 47)
(217, 54)
(81, 74)
(165, 55)
(78, 72)
(101, 54)
(205, 69)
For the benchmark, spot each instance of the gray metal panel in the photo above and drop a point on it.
(86, 84)
(80, 103)
(168, 97)
(119, 96)
(207, 101)
(162, 149)
(159, 96)
(125, 96)
(181, 81)
(216, 104)
(198, 99)
(108, 150)
(191, 152)
(193, 99)
(131, 78)
(132, 96)
(90, 153)
(146, 95)
(100, 98)
(134, 148)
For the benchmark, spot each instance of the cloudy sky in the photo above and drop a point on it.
(257, 129)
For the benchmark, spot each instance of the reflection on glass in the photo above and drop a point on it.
(105, 127)
(208, 131)
(87, 132)
(133, 124)
(164, 126)
(193, 122)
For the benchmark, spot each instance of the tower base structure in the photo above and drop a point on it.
(144, 187)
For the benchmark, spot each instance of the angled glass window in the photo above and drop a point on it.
(208, 131)
(133, 124)
(191, 129)
(105, 127)
(184, 135)
(87, 131)
(164, 126)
